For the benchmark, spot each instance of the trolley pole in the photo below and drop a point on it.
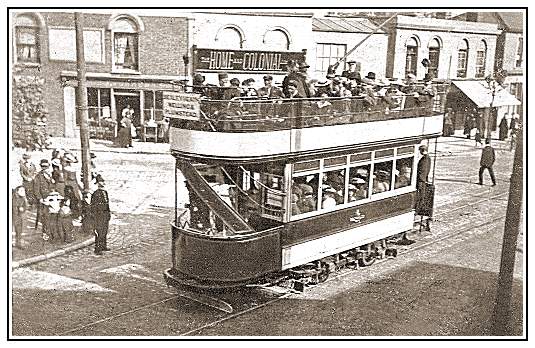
(81, 98)
(502, 310)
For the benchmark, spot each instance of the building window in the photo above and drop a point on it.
(462, 59)
(328, 54)
(125, 44)
(434, 58)
(276, 40)
(230, 38)
(27, 39)
(481, 59)
(519, 52)
(411, 59)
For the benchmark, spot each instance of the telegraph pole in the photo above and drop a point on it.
(502, 309)
(81, 98)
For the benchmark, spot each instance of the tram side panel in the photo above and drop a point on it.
(323, 235)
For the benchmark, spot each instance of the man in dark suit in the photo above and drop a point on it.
(488, 156)
(424, 167)
(297, 73)
(100, 211)
(269, 91)
(43, 185)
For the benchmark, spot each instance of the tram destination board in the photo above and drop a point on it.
(184, 106)
(243, 61)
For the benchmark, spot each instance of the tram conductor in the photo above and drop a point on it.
(422, 174)
(100, 209)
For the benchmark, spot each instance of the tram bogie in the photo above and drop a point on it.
(295, 210)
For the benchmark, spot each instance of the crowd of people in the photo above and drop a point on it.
(56, 194)
(297, 85)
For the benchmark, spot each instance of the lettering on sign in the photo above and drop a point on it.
(184, 106)
(243, 61)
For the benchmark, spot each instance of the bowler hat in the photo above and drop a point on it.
(44, 163)
(26, 156)
(371, 75)
(268, 78)
(222, 75)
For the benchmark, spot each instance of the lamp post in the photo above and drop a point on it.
(493, 85)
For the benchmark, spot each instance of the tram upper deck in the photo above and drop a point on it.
(245, 130)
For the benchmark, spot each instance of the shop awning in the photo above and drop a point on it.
(481, 94)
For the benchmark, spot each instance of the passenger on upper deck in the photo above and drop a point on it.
(198, 85)
(351, 68)
(297, 73)
(270, 91)
(247, 88)
(292, 88)
(329, 198)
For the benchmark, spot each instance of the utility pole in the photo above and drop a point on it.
(81, 98)
(502, 310)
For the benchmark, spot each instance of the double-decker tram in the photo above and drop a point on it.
(292, 188)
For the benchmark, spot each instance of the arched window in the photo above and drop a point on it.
(230, 37)
(125, 43)
(434, 57)
(27, 39)
(276, 40)
(411, 59)
(481, 58)
(462, 58)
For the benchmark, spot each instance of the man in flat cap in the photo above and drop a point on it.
(270, 91)
(351, 68)
(100, 213)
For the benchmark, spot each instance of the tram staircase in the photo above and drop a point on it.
(229, 216)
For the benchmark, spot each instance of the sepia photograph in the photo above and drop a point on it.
(265, 173)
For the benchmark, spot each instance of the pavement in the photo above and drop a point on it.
(35, 249)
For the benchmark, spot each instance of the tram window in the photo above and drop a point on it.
(305, 166)
(405, 150)
(333, 188)
(403, 172)
(305, 194)
(384, 153)
(360, 157)
(382, 177)
(359, 178)
(335, 161)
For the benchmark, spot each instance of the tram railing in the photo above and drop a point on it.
(247, 114)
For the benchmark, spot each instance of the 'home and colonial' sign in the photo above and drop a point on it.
(219, 60)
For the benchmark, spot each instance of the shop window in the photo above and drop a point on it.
(411, 58)
(328, 54)
(434, 58)
(382, 177)
(403, 172)
(481, 59)
(98, 106)
(359, 179)
(462, 59)
(125, 44)
(276, 40)
(519, 53)
(27, 39)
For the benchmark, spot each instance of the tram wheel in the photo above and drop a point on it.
(370, 257)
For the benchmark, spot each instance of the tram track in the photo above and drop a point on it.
(408, 251)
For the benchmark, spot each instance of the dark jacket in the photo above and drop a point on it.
(487, 156)
(100, 207)
(424, 167)
(302, 85)
(274, 92)
(43, 185)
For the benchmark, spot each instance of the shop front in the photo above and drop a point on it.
(108, 99)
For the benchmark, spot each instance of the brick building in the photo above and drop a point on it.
(130, 59)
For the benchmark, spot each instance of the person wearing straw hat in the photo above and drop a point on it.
(100, 210)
